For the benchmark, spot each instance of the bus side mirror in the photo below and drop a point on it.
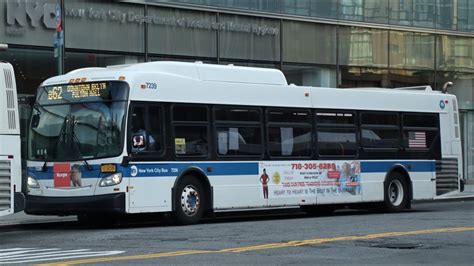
(138, 142)
(35, 121)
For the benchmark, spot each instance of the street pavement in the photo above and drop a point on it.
(22, 218)
(437, 232)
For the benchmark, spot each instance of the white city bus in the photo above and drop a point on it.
(11, 199)
(193, 138)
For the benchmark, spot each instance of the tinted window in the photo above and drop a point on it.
(237, 114)
(189, 113)
(335, 118)
(380, 138)
(190, 140)
(420, 120)
(289, 141)
(146, 124)
(337, 142)
(289, 116)
(239, 141)
(380, 130)
(379, 119)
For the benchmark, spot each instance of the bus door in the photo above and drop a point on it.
(150, 179)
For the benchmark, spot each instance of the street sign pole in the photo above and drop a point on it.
(59, 36)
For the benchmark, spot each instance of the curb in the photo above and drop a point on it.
(447, 199)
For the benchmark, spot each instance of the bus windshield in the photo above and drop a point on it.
(78, 121)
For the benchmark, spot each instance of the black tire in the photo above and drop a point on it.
(396, 198)
(315, 210)
(190, 201)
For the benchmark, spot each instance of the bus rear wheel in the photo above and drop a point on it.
(396, 197)
(190, 201)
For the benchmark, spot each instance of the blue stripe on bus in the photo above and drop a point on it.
(225, 168)
(161, 169)
(172, 169)
(385, 166)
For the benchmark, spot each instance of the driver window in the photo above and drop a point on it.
(146, 129)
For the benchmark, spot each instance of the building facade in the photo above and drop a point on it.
(328, 43)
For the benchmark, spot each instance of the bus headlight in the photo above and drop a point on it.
(32, 183)
(111, 180)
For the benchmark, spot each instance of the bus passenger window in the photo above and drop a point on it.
(190, 126)
(239, 141)
(145, 129)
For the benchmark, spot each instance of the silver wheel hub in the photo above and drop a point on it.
(190, 200)
(395, 192)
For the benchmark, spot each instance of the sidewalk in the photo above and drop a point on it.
(22, 219)
(468, 193)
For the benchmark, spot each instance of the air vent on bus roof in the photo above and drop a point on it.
(8, 78)
(11, 104)
(11, 119)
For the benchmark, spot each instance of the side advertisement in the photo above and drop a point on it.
(309, 178)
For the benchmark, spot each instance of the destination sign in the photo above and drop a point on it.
(77, 91)
(83, 92)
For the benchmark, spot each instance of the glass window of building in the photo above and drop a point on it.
(455, 53)
(401, 12)
(31, 67)
(324, 8)
(467, 121)
(363, 47)
(307, 75)
(413, 77)
(424, 13)
(75, 60)
(249, 38)
(97, 25)
(410, 50)
(353, 76)
(241, 4)
(351, 9)
(296, 7)
(305, 42)
(446, 15)
(251, 64)
(466, 15)
(182, 32)
(265, 5)
(376, 11)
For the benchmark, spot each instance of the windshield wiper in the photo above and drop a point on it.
(78, 143)
(45, 165)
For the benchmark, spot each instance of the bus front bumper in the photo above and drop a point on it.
(110, 203)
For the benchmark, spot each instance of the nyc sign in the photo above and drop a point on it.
(23, 12)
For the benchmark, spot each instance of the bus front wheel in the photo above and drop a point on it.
(190, 201)
(396, 196)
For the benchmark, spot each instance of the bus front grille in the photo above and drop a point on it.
(446, 176)
(5, 185)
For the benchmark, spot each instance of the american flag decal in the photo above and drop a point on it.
(416, 139)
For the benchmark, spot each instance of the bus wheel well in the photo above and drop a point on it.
(203, 179)
(404, 173)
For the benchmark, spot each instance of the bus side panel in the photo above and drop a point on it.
(237, 192)
(445, 119)
(150, 194)
(372, 186)
(10, 152)
(423, 185)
